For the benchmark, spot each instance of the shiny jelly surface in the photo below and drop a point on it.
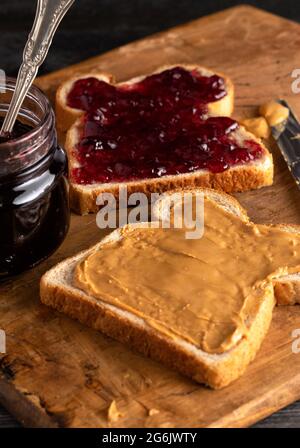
(19, 130)
(153, 128)
(34, 209)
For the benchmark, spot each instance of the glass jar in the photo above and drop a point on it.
(34, 209)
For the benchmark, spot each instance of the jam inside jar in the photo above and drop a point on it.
(34, 209)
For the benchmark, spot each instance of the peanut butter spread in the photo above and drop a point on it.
(274, 113)
(204, 290)
(258, 126)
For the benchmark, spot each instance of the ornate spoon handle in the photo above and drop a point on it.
(49, 14)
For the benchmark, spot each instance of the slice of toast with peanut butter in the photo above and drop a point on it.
(202, 306)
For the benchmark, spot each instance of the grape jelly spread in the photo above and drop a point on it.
(153, 128)
(18, 130)
(33, 223)
(34, 212)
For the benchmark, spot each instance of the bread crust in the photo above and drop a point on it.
(216, 371)
(83, 201)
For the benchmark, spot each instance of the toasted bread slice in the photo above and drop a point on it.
(240, 177)
(83, 197)
(214, 369)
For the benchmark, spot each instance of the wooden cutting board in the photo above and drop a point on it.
(59, 373)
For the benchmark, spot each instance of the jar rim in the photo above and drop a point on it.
(34, 92)
(19, 153)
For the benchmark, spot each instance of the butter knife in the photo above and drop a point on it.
(287, 136)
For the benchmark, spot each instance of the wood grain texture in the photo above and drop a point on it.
(59, 373)
(93, 27)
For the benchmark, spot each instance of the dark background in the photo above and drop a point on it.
(95, 26)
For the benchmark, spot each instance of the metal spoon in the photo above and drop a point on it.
(49, 14)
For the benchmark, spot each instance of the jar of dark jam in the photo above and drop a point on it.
(34, 209)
